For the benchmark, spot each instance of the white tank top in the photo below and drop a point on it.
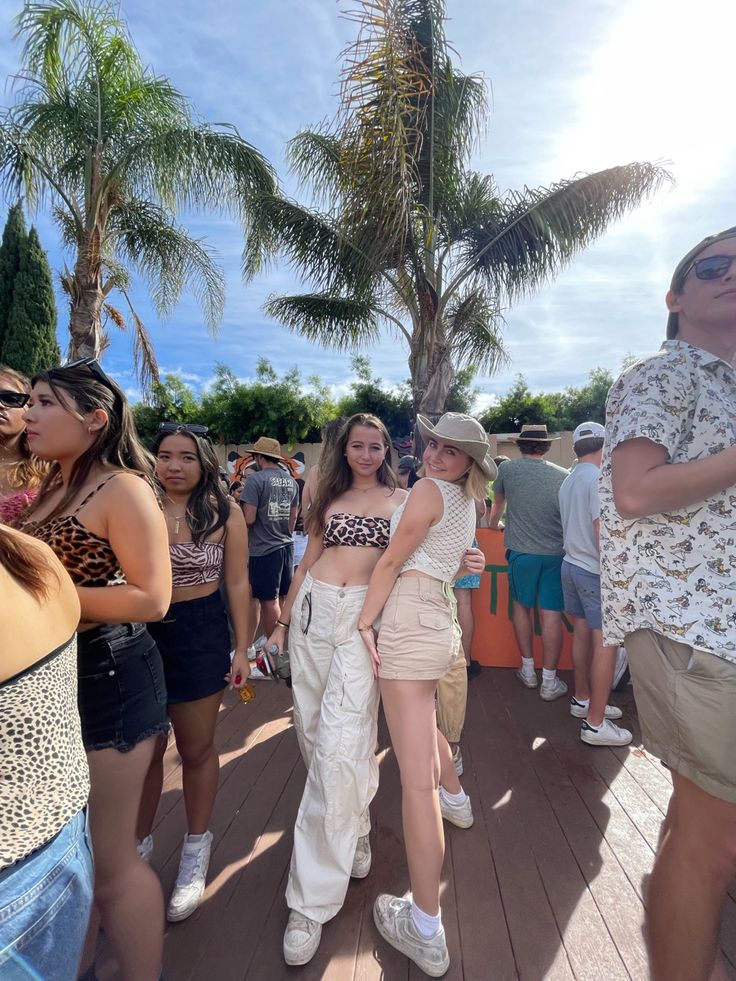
(441, 552)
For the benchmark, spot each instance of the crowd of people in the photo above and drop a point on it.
(134, 583)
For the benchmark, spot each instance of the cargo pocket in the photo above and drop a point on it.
(434, 619)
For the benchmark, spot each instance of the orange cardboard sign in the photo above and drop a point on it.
(494, 642)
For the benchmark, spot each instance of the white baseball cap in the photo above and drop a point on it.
(588, 430)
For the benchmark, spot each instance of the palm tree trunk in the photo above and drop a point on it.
(432, 373)
(87, 298)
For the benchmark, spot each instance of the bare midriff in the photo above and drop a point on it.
(346, 565)
(182, 594)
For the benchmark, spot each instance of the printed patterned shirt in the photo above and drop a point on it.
(673, 573)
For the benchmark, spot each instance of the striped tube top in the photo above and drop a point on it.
(194, 565)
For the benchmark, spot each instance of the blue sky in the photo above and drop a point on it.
(577, 86)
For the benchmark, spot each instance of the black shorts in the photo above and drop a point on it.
(270, 575)
(122, 692)
(194, 641)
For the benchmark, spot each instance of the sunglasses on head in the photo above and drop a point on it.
(712, 267)
(94, 367)
(188, 427)
(13, 400)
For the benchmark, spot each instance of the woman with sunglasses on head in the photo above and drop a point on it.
(335, 695)
(45, 856)
(20, 472)
(98, 512)
(208, 540)
(418, 641)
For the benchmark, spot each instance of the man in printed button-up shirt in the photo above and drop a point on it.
(668, 584)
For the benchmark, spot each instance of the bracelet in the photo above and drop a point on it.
(364, 629)
(282, 624)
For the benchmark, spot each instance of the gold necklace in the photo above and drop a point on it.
(175, 517)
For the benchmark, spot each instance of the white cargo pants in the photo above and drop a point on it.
(335, 717)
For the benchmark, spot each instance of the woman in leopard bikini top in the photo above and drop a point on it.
(335, 694)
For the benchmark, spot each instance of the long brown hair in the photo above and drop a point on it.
(335, 476)
(115, 446)
(26, 563)
(29, 471)
(208, 508)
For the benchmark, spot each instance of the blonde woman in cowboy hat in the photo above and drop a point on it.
(411, 590)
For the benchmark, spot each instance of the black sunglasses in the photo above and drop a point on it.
(188, 427)
(712, 267)
(13, 400)
(95, 370)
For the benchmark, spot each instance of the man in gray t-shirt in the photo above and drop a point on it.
(593, 662)
(528, 488)
(270, 502)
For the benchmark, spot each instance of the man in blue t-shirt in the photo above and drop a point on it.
(270, 502)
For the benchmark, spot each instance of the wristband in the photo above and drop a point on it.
(282, 624)
(364, 629)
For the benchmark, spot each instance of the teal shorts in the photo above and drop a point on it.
(535, 580)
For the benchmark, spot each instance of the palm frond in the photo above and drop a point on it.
(314, 157)
(538, 231)
(474, 322)
(144, 356)
(336, 322)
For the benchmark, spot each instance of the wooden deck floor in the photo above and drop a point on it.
(549, 883)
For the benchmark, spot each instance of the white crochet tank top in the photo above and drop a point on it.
(441, 552)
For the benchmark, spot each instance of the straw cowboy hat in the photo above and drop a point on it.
(464, 432)
(535, 432)
(265, 446)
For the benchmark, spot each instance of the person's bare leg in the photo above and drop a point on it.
(127, 892)
(521, 617)
(194, 728)
(270, 612)
(582, 655)
(694, 868)
(551, 621)
(448, 775)
(255, 616)
(464, 597)
(152, 787)
(409, 710)
(601, 678)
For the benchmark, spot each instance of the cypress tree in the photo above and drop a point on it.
(30, 340)
(14, 239)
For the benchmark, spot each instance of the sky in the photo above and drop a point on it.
(576, 86)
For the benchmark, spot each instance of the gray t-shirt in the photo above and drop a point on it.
(531, 487)
(579, 507)
(274, 493)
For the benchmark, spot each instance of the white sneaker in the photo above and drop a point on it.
(301, 938)
(607, 734)
(550, 692)
(190, 882)
(145, 848)
(580, 711)
(362, 858)
(530, 680)
(392, 916)
(461, 815)
(457, 760)
(257, 675)
(252, 653)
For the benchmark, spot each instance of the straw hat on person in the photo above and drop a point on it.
(265, 446)
(464, 432)
(534, 432)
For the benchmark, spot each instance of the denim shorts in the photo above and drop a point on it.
(194, 641)
(122, 692)
(535, 580)
(582, 592)
(45, 901)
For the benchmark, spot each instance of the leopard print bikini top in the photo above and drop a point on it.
(88, 559)
(356, 530)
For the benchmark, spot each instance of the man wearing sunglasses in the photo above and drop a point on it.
(668, 578)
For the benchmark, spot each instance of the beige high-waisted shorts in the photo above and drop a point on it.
(419, 636)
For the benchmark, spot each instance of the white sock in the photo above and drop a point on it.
(582, 701)
(456, 799)
(195, 839)
(527, 665)
(548, 676)
(427, 926)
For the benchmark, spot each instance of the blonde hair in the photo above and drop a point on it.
(28, 472)
(475, 484)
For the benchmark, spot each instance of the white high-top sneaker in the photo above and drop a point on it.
(190, 882)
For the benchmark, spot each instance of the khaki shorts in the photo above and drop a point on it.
(686, 700)
(419, 636)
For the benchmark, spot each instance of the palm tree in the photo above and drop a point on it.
(117, 151)
(402, 233)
